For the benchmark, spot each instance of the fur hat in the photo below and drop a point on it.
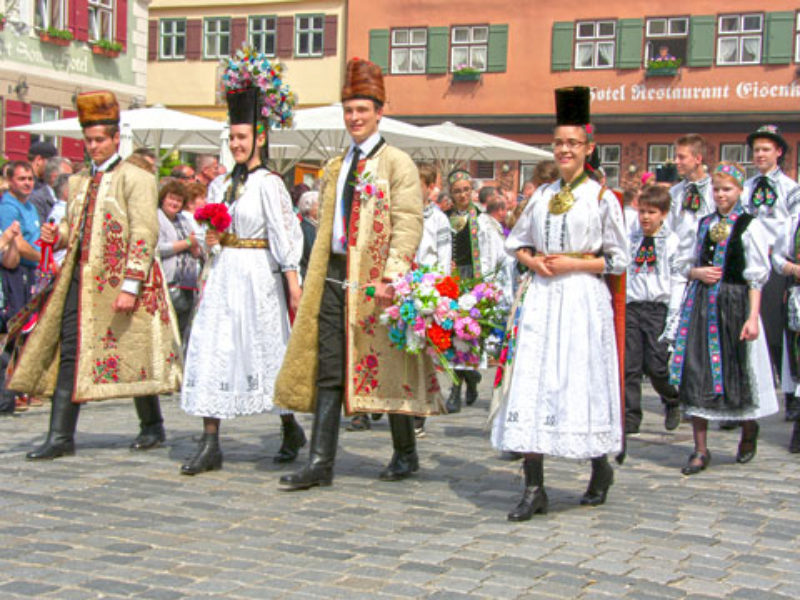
(363, 79)
(243, 106)
(572, 106)
(97, 108)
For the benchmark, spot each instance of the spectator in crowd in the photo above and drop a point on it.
(308, 205)
(44, 197)
(444, 202)
(183, 173)
(206, 168)
(38, 153)
(196, 194)
(492, 231)
(9, 258)
(180, 252)
(17, 282)
(59, 210)
(485, 195)
(296, 191)
(144, 158)
(544, 172)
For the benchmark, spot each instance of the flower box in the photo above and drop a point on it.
(661, 72)
(663, 67)
(100, 51)
(466, 76)
(57, 37)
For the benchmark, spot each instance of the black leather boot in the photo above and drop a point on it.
(293, 438)
(453, 404)
(61, 437)
(794, 444)
(151, 423)
(534, 498)
(601, 479)
(324, 436)
(404, 460)
(207, 458)
(473, 378)
(792, 407)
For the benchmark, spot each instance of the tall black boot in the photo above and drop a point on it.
(207, 458)
(534, 498)
(61, 437)
(453, 404)
(404, 459)
(473, 378)
(293, 438)
(324, 436)
(151, 423)
(792, 407)
(601, 479)
(794, 444)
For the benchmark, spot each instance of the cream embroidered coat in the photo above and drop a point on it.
(383, 241)
(118, 355)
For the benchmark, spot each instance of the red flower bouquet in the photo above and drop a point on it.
(448, 288)
(215, 215)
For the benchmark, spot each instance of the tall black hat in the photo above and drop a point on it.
(573, 106)
(244, 106)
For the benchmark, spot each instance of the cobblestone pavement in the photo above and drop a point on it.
(108, 523)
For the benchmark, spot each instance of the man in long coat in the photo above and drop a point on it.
(107, 329)
(339, 352)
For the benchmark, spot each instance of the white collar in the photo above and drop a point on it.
(367, 146)
(104, 167)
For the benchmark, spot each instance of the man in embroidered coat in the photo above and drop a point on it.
(107, 329)
(364, 240)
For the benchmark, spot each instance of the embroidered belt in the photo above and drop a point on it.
(581, 255)
(231, 240)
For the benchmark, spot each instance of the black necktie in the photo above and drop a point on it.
(692, 199)
(350, 185)
(763, 192)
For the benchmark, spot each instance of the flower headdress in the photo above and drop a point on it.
(250, 69)
(733, 170)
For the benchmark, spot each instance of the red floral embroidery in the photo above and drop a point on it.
(152, 298)
(433, 384)
(368, 324)
(106, 370)
(142, 374)
(113, 254)
(366, 374)
(171, 358)
(139, 250)
(109, 341)
(408, 391)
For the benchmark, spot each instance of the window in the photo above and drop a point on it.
(739, 153)
(263, 34)
(216, 37)
(659, 154)
(173, 38)
(666, 38)
(409, 50)
(609, 160)
(797, 40)
(469, 47)
(101, 19)
(40, 114)
(739, 39)
(50, 13)
(595, 44)
(309, 30)
(484, 169)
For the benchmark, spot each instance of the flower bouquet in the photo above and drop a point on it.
(432, 314)
(214, 215)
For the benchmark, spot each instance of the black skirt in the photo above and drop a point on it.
(697, 389)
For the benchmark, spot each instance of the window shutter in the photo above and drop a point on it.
(329, 37)
(779, 38)
(702, 35)
(438, 46)
(152, 40)
(498, 48)
(561, 48)
(122, 24)
(629, 43)
(379, 48)
(194, 39)
(71, 148)
(17, 142)
(238, 33)
(79, 19)
(285, 37)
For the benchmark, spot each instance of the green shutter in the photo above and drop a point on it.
(779, 38)
(702, 33)
(379, 48)
(629, 43)
(498, 48)
(438, 44)
(561, 50)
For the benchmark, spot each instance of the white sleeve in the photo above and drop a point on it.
(444, 243)
(522, 234)
(615, 240)
(283, 226)
(756, 254)
(782, 250)
(677, 283)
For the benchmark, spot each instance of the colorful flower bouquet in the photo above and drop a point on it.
(432, 313)
(215, 215)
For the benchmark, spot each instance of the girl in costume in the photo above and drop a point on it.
(240, 332)
(560, 391)
(721, 363)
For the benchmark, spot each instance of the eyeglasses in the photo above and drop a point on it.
(569, 144)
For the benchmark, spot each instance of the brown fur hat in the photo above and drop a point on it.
(97, 108)
(363, 79)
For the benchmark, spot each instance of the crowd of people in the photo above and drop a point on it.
(690, 280)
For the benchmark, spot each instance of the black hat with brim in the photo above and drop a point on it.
(770, 132)
(573, 106)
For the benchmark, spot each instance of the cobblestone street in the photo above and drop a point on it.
(111, 524)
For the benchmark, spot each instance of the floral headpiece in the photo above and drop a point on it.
(458, 175)
(732, 170)
(248, 68)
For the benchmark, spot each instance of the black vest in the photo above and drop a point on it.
(735, 260)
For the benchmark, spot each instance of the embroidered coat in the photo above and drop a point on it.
(383, 239)
(118, 355)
